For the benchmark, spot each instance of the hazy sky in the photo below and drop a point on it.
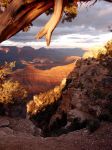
(90, 28)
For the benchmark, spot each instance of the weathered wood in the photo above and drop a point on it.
(52, 23)
(19, 14)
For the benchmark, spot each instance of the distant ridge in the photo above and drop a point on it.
(41, 69)
(29, 54)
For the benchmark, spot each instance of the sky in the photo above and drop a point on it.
(88, 29)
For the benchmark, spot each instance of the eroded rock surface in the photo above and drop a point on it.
(4, 122)
(18, 126)
(101, 139)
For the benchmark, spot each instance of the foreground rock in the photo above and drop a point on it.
(18, 127)
(101, 139)
(4, 122)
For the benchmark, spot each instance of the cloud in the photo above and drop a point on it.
(63, 41)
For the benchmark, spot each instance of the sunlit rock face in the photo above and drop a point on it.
(41, 101)
(82, 100)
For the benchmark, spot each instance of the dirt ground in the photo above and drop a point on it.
(101, 139)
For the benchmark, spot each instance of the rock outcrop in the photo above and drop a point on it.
(84, 101)
(18, 127)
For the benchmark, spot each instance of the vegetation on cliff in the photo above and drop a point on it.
(12, 94)
(10, 91)
(41, 101)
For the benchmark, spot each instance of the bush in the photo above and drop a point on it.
(10, 91)
(108, 46)
(95, 53)
(98, 53)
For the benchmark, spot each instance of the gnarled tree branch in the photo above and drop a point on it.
(17, 16)
(50, 26)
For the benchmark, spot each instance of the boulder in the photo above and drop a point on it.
(4, 122)
(22, 126)
(6, 131)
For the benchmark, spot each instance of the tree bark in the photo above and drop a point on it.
(19, 14)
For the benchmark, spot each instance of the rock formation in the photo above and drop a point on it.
(85, 100)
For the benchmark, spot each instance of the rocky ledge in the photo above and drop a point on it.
(14, 137)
